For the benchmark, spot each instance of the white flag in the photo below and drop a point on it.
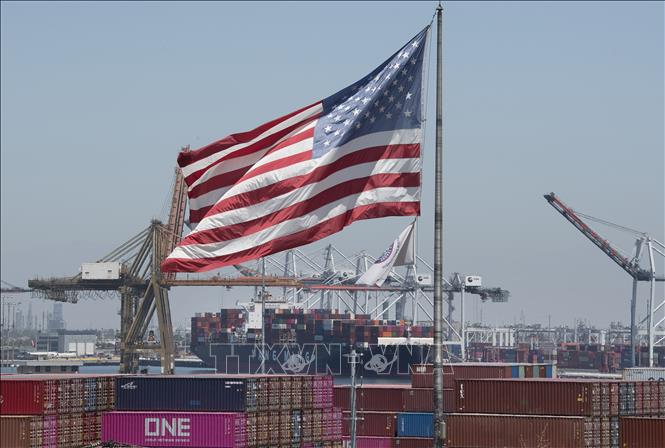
(399, 253)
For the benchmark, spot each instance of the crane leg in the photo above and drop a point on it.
(165, 330)
(126, 315)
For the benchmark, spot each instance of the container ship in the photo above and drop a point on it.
(319, 341)
(316, 341)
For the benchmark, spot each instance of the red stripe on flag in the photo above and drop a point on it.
(188, 157)
(214, 183)
(304, 207)
(278, 188)
(230, 178)
(254, 147)
(305, 236)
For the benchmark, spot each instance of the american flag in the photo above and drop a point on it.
(294, 180)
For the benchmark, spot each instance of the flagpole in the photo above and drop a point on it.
(439, 424)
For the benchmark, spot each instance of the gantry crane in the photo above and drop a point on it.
(142, 286)
(631, 266)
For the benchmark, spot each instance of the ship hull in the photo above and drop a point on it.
(312, 358)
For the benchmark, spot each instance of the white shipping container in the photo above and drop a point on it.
(473, 280)
(100, 271)
(89, 348)
(255, 317)
(644, 374)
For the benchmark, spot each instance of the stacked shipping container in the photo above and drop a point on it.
(568, 355)
(51, 411)
(301, 326)
(642, 432)
(231, 411)
(400, 415)
(530, 409)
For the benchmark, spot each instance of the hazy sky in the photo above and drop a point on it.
(97, 98)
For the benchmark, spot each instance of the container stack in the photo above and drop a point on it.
(302, 326)
(569, 355)
(571, 413)
(217, 327)
(401, 415)
(52, 411)
(224, 412)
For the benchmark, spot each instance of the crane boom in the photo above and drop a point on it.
(627, 265)
(12, 288)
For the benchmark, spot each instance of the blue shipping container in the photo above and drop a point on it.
(549, 371)
(160, 393)
(412, 424)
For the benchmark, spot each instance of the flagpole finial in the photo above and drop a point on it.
(439, 8)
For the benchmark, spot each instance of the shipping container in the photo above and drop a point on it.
(175, 429)
(384, 397)
(221, 393)
(410, 424)
(517, 431)
(422, 400)
(100, 271)
(56, 394)
(644, 374)
(72, 430)
(422, 373)
(412, 400)
(642, 432)
(28, 397)
(529, 396)
(383, 424)
(181, 393)
(21, 432)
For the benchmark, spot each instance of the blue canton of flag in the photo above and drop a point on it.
(389, 98)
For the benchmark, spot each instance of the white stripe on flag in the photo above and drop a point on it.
(384, 166)
(400, 137)
(328, 211)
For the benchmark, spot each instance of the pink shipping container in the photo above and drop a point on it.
(332, 424)
(175, 429)
(322, 387)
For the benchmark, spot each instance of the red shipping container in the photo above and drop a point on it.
(451, 372)
(22, 397)
(373, 397)
(175, 429)
(418, 400)
(375, 424)
(642, 432)
(421, 380)
(513, 431)
(528, 396)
